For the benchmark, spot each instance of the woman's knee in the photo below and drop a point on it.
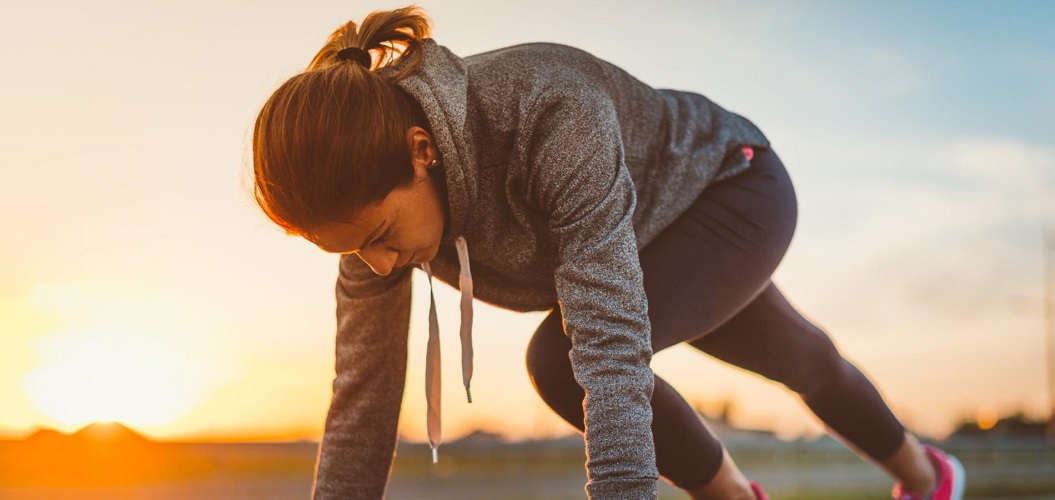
(547, 360)
(818, 363)
(549, 369)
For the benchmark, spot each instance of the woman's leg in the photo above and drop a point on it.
(687, 454)
(802, 357)
(710, 263)
(911, 467)
(771, 338)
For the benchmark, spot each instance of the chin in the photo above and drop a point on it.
(431, 253)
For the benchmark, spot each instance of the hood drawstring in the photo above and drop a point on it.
(465, 283)
(432, 354)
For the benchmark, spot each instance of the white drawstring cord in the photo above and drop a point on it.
(432, 354)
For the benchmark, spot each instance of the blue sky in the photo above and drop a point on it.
(987, 65)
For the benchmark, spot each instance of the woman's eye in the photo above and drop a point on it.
(384, 236)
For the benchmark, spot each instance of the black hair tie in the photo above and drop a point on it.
(356, 54)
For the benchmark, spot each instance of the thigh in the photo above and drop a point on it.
(771, 338)
(719, 254)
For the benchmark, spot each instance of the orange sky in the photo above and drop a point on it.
(141, 284)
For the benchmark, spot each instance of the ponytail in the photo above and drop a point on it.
(380, 33)
(331, 139)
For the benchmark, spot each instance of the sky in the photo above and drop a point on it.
(140, 283)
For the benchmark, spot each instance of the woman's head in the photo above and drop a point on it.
(339, 144)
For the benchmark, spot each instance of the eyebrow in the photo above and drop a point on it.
(370, 237)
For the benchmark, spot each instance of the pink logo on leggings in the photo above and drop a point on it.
(748, 152)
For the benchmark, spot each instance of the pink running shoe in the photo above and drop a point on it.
(951, 478)
(758, 491)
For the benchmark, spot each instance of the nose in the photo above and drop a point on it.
(381, 260)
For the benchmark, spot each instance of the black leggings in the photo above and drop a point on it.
(707, 280)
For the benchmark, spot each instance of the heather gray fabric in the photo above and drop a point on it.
(559, 167)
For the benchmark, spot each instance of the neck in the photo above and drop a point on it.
(439, 180)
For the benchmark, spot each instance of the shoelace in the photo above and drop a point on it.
(432, 354)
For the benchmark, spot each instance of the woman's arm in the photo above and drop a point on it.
(579, 178)
(373, 321)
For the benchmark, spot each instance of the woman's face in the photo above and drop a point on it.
(404, 228)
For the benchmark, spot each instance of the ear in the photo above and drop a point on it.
(422, 151)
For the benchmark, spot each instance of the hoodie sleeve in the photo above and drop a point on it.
(359, 441)
(578, 177)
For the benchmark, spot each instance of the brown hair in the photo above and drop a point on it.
(332, 139)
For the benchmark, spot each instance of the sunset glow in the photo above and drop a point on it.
(987, 418)
(87, 376)
(118, 358)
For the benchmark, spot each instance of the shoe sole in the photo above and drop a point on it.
(959, 481)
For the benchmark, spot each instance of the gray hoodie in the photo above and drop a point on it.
(559, 168)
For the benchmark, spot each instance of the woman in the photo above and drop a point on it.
(640, 217)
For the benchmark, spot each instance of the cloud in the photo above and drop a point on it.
(1009, 166)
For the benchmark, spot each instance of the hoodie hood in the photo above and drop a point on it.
(440, 85)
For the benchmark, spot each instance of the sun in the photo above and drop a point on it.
(90, 376)
(121, 357)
